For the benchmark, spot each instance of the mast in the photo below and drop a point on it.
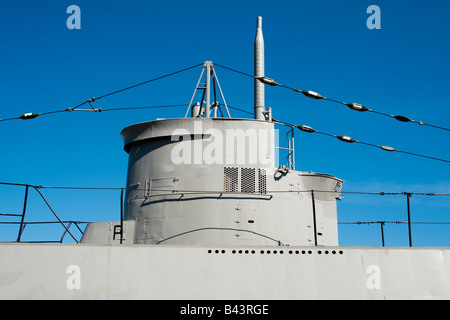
(259, 105)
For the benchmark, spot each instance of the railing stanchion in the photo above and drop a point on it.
(121, 216)
(314, 217)
(23, 214)
(408, 195)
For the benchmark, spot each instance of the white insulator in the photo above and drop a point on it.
(306, 128)
(346, 139)
(312, 94)
(387, 148)
(356, 106)
(268, 81)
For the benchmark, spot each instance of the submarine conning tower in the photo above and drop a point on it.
(209, 180)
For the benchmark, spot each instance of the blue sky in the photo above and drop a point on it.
(325, 46)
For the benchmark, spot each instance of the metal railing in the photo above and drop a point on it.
(22, 224)
(182, 194)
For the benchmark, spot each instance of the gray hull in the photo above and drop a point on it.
(82, 271)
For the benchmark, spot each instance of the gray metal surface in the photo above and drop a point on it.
(178, 272)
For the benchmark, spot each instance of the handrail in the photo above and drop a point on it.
(22, 223)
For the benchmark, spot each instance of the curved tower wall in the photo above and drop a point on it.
(213, 181)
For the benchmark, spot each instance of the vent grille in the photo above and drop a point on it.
(244, 180)
(230, 179)
(262, 181)
(248, 180)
